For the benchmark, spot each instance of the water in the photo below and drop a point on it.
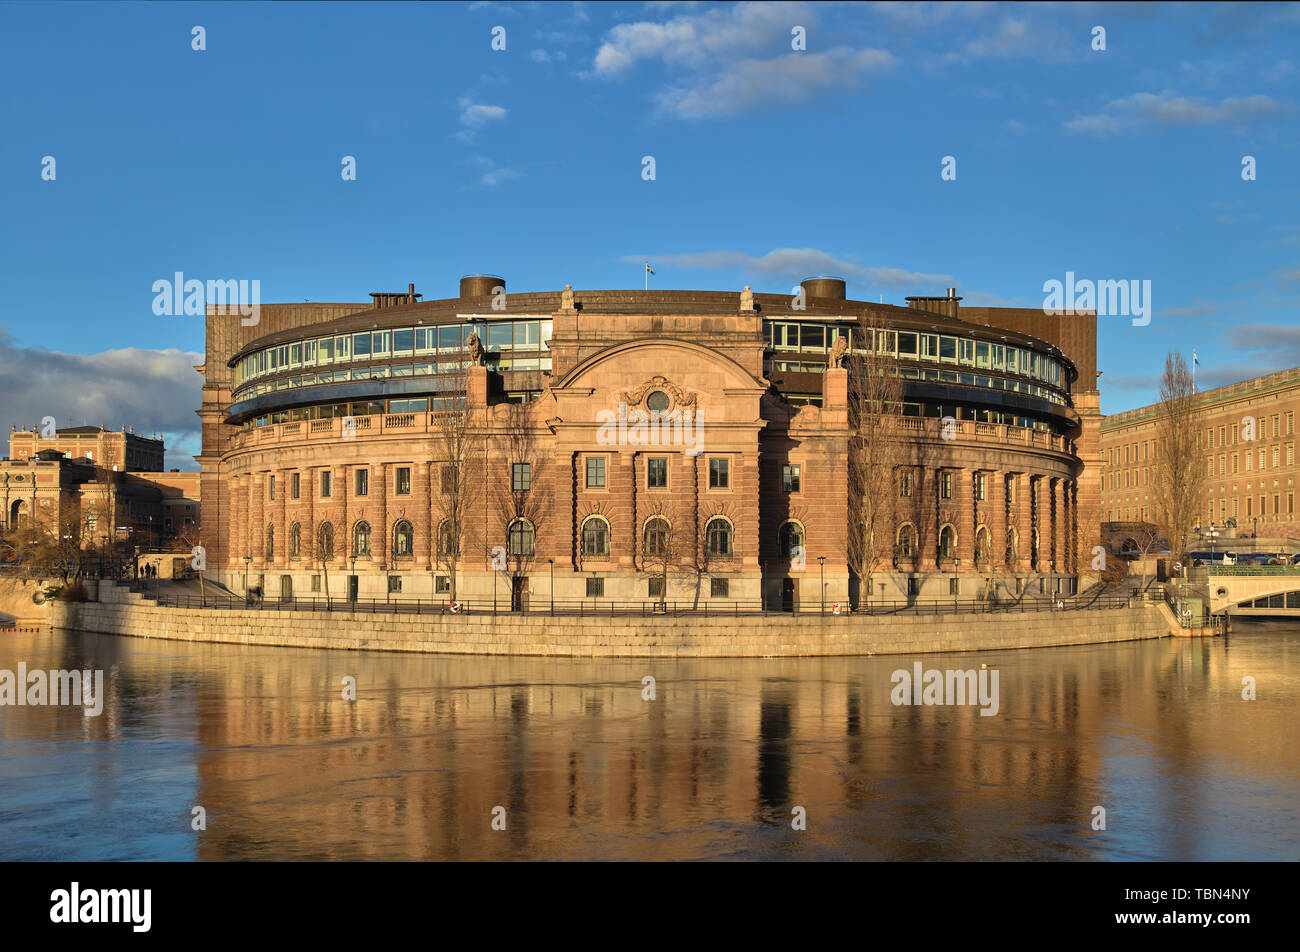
(1155, 732)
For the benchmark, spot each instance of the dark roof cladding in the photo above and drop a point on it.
(772, 306)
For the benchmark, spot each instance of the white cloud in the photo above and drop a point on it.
(795, 264)
(1172, 109)
(785, 79)
(146, 389)
(493, 174)
(474, 114)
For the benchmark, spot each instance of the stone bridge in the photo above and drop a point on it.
(1251, 590)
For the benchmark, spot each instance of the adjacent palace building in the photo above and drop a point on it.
(1248, 437)
(626, 446)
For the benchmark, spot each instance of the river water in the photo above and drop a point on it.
(714, 767)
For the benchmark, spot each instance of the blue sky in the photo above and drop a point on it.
(771, 165)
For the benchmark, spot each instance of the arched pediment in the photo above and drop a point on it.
(631, 365)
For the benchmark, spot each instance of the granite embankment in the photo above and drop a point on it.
(682, 636)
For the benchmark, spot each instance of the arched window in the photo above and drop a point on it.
(1033, 549)
(983, 547)
(595, 537)
(446, 540)
(295, 541)
(325, 541)
(656, 537)
(270, 543)
(947, 543)
(361, 539)
(788, 538)
(403, 539)
(906, 541)
(1013, 547)
(717, 537)
(521, 539)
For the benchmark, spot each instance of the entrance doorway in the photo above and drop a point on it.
(286, 588)
(353, 585)
(789, 600)
(519, 594)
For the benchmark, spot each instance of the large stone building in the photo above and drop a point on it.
(1248, 438)
(104, 486)
(325, 462)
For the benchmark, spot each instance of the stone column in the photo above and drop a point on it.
(996, 520)
(421, 519)
(963, 481)
(1054, 524)
(282, 514)
(379, 535)
(1020, 503)
(922, 510)
(252, 524)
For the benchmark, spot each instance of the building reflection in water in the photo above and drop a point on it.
(1156, 732)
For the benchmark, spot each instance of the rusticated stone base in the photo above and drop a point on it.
(695, 636)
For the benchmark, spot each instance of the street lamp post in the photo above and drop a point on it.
(247, 559)
(1211, 534)
(821, 564)
(551, 563)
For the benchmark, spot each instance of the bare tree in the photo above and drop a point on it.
(522, 500)
(660, 546)
(1180, 471)
(454, 482)
(874, 452)
(324, 549)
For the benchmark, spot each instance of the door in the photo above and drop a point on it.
(519, 595)
(286, 588)
(787, 595)
(352, 588)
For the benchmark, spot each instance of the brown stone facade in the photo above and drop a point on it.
(1248, 438)
(751, 459)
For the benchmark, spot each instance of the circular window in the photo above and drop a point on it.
(657, 401)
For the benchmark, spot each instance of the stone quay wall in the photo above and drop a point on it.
(683, 636)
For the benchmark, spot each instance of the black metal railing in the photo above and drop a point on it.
(611, 607)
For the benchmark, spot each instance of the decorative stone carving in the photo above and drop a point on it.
(746, 299)
(475, 348)
(566, 298)
(838, 350)
(679, 396)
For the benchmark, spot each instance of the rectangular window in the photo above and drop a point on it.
(945, 486)
(595, 588)
(394, 584)
(442, 584)
(449, 480)
(449, 338)
(272, 487)
(315, 583)
(360, 345)
(719, 473)
(521, 477)
(403, 487)
(499, 337)
(981, 486)
(295, 485)
(325, 486)
(403, 342)
(363, 482)
(954, 586)
(655, 587)
(812, 337)
(596, 472)
(719, 587)
(790, 479)
(906, 344)
(657, 473)
(905, 485)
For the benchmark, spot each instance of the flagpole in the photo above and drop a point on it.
(1193, 370)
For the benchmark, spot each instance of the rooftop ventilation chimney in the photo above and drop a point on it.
(937, 305)
(824, 286)
(480, 285)
(395, 298)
